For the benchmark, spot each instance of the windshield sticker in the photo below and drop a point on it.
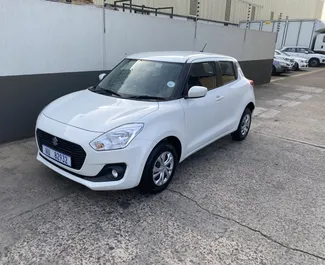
(171, 84)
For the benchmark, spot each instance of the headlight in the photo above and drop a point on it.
(117, 138)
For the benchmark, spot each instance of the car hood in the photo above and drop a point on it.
(97, 113)
(299, 58)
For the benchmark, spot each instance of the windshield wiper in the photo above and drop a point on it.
(103, 91)
(146, 97)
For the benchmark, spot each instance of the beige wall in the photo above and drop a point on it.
(215, 9)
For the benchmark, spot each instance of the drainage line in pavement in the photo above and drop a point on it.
(246, 226)
(292, 140)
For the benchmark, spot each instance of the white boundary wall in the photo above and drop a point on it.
(45, 37)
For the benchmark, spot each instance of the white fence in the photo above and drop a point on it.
(46, 37)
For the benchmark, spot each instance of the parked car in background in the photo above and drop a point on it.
(298, 63)
(280, 56)
(309, 33)
(280, 66)
(314, 59)
(152, 111)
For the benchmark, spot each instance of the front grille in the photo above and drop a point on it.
(78, 155)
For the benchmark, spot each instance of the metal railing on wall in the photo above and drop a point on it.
(129, 6)
(142, 8)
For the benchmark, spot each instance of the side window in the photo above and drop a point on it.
(228, 72)
(203, 74)
(301, 50)
(291, 50)
(324, 39)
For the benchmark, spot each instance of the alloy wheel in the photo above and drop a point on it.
(163, 168)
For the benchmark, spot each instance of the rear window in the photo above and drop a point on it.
(228, 72)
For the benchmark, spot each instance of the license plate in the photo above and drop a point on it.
(62, 158)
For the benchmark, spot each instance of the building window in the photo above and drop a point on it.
(272, 15)
(193, 7)
(253, 12)
(228, 10)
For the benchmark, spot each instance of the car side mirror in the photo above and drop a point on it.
(197, 92)
(101, 76)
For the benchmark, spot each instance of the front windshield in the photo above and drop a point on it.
(310, 51)
(140, 78)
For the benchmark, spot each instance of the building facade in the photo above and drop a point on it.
(238, 10)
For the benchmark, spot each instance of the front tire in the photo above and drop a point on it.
(244, 126)
(159, 169)
(295, 67)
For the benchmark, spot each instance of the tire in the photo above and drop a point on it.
(295, 67)
(149, 182)
(244, 126)
(273, 70)
(314, 62)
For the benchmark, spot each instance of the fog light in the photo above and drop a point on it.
(114, 173)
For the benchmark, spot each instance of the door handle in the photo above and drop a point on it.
(218, 98)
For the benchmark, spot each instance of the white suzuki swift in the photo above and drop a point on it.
(149, 113)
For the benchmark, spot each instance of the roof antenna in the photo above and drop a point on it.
(204, 47)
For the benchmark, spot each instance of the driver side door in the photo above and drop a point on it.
(203, 114)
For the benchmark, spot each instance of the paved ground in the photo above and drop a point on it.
(256, 202)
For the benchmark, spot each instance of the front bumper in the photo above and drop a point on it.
(282, 69)
(133, 157)
(303, 65)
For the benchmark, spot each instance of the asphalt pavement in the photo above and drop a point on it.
(261, 201)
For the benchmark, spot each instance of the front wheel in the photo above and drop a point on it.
(244, 126)
(314, 62)
(159, 169)
(295, 67)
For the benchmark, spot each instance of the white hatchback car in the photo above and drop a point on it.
(149, 113)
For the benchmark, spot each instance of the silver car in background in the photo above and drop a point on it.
(281, 66)
(297, 63)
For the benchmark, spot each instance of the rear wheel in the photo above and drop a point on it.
(159, 169)
(314, 62)
(244, 126)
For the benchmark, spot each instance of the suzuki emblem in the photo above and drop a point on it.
(55, 141)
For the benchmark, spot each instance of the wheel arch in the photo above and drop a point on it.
(175, 142)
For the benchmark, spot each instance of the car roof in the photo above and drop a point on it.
(177, 56)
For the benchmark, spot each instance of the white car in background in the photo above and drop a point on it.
(314, 59)
(152, 111)
(297, 63)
